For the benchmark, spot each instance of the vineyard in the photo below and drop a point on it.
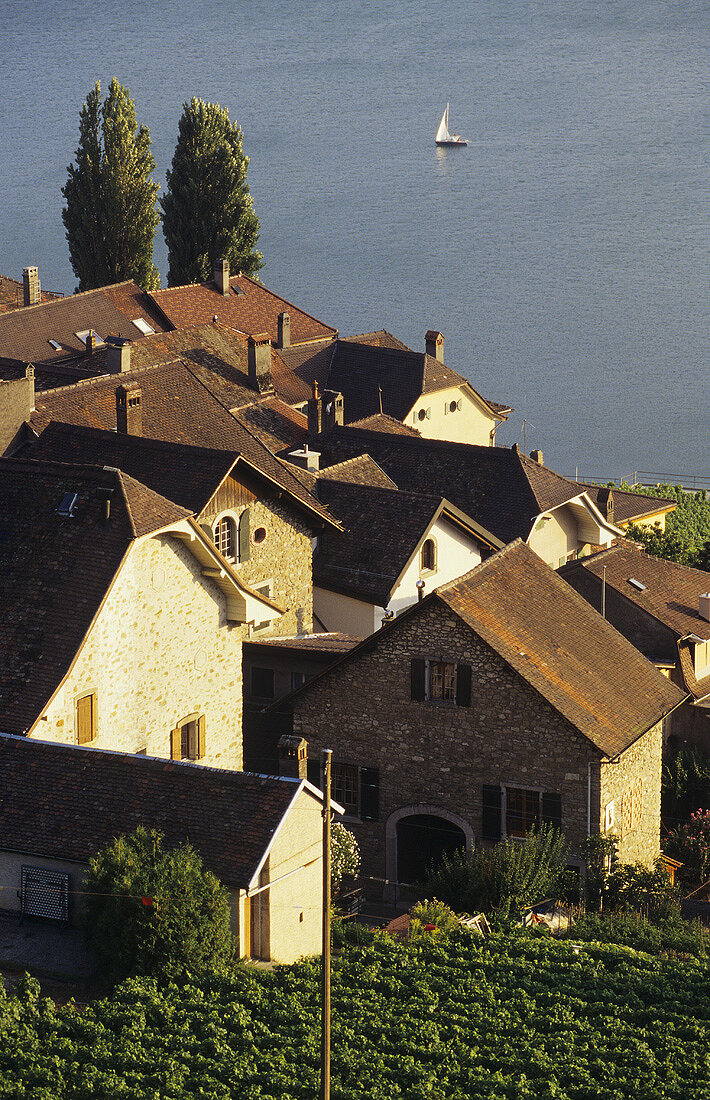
(506, 1017)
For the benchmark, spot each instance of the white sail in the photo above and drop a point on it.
(442, 134)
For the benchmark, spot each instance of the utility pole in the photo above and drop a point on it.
(325, 1000)
(603, 592)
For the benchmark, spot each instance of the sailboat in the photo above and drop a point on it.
(443, 137)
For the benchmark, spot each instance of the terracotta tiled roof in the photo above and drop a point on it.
(178, 407)
(571, 656)
(25, 333)
(670, 595)
(295, 369)
(276, 424)
(361, 470)
(56, 570)
(249, 308)
(335, 643)
(90, 796)
(12, 294)
(629, 507)
(380, 339)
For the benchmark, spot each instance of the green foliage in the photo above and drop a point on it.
(344, 854)
(690, 843)
(599, 854)
(506, 877)
(110, 214)
(431, 918)
(208, 211)
(507, 1017)
(685, 783)
(185, 929)
(631, 886)
(672, 936)
(686, 538)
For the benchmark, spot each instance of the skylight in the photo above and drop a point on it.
(68, 504)
(237, 290)
(85, 333)
(55, 344)
(143, 326)
(637, 584)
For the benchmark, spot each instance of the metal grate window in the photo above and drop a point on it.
(45, 893)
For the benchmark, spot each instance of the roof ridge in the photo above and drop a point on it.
(145, 441)
(109, 374)
(70, 297)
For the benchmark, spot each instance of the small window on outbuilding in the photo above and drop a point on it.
(428, 556)
(187, 740)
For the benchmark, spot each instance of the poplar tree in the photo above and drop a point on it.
(208, 211)
(110, 215)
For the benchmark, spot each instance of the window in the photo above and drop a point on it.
(143, 326)
(263, 590)
(86, 718)
(86, 333)
(513, 811)
(297, 679)
(224, 537)
(187, 740)
(522, 811)
(428, 556)
(260, 535)
(262, 682)
(438, 681)
(55, 345)
(356, 789)
(345, 786)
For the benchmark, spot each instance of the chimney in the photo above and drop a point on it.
(325, 411)
(259, 361)
(17, 402)
(435, 345)
(605, 499)
(91, 342)
(536, 456)
(284, 337)
(293, 756)
(704, 606)
(32, 292)
(306, 459)
(129, 413)
(221, 276)
(118, 354)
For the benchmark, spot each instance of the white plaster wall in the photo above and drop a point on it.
(339, 612)
(160, 650)
(471, 425)
(556, 538)
(457, 553)
(295, 902)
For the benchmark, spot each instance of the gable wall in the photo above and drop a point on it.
(160, 650)
(472, 424)
(457, 553)
(438, 753)
(295, 901)
(554, 539)
(633, 784)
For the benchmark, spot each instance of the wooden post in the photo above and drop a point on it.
(325, 1003)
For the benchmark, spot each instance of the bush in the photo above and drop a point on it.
(690, 843)
(505, 877)
(344, 855)
(686, 538)
(685, 784)
(667, 936)
(431, 918)
(153, 911)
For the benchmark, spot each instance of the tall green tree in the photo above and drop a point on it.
(208, 211)
(110, 215)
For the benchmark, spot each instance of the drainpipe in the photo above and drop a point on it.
(589, 798)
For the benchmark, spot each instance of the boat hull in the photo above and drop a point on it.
(452, 142)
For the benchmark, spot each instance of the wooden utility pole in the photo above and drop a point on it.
(325, 1001)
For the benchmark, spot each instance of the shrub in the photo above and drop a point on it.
(154, 911)
(685, 783)
(430, 918)
(344, 855)
(690, 843)
(667, 936)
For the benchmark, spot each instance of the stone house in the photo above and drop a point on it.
(664, 610)
(499, 701)
(261, 836)
(122, 621)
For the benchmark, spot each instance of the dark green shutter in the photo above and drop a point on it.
(369, 794)
(244, 535)
(552, 809)
(463, 685)
(418, 674)
(314, 774)
(491, 813)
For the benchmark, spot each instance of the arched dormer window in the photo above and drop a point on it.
(428, 556)
(225, 537)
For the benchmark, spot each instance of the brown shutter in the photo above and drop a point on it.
(86, 719)
(491, 823)
(463, 685)
(552, 809)
(201, 749)
(245, 945)
(176, 744)
(418, 678)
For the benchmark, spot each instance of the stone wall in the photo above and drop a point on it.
(633, 785)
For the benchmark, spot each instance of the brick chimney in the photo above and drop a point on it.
(32, 291)
(91, 342)
(435, 345)
(605, 499)
(293, 756)
(17, 402)
(118, 354)
(325, 411)
(284, 336)
(129, 412)
(221, 275)
(259, 362)
(536, 456)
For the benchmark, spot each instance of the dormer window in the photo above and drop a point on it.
(701, 659)
(225, 537)
(428, 556)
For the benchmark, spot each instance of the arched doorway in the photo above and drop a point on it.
(414, 835)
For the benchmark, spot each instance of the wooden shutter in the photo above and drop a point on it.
(418, 678)
(491, 813)
(245, 945)
(86, 719)
(369, 794)
(463, 685)
(552, 809)
(244, 535)
(176, 744)
(201, 742)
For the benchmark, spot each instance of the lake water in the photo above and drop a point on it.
(563, 253)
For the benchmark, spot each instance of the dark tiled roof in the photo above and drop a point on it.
(295, 369)
(276, 424)
(89, 796)
(12, 294)
(380, 339)
(629, 507)
(570, 655)
(25, 333)
(177, 406)
(249, 308)
(361, 470)
(380, 422)
(382, 530)
(671, 594)
(335, 644)
(56, 570)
